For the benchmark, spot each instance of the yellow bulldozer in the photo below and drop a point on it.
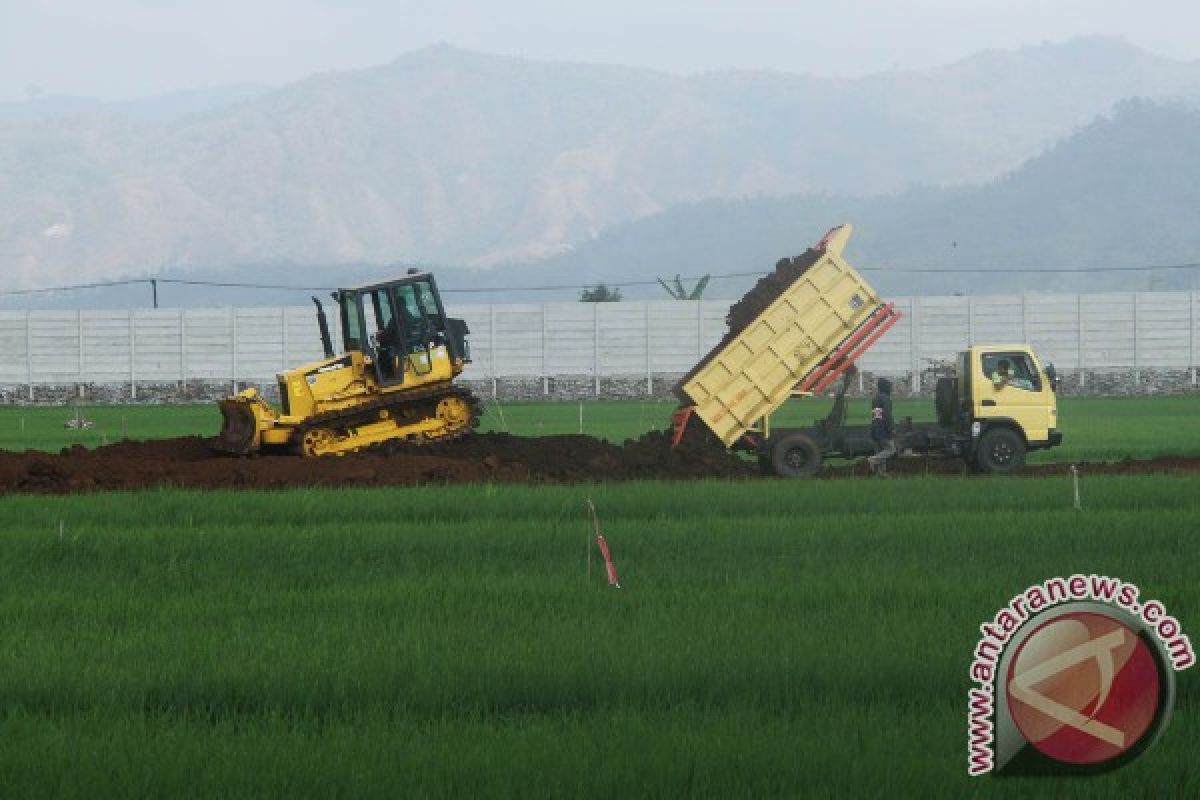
(392, 382)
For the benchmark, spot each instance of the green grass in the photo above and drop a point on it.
(43, 427)
(772, 639)
(1095, 429)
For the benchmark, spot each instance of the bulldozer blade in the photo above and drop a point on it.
(239, 433)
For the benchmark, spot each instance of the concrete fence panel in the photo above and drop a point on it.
(1117, 340)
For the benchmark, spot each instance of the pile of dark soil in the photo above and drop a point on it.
(188, 462)
(752, 304)
(495, 457)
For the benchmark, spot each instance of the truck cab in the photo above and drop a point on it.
(1003, 398)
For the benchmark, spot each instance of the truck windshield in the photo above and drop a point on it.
(1019, 367)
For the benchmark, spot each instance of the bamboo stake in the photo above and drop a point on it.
(587, 540)
(1075, 483)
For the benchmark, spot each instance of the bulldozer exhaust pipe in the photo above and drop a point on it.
(323, 324)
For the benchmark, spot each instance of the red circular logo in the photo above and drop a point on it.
(1083, 688)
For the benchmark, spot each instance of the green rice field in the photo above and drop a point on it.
(770, 639)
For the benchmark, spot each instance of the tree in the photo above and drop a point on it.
(680, 293)
(600, 293)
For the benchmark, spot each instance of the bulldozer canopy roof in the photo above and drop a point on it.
(398, 280)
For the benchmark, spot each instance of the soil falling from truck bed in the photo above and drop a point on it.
(490, 457)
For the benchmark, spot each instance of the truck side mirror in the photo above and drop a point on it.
(1052, 376)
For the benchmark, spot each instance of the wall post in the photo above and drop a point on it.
(182, 351)
(1024, 320)
(29, 351)
(1192, 334)
(914, 343)
(132, 357)
(1137, 371)
(646, 343)
(970, 321)
(596, 346)
(545, 337)
(492, 345)
(1079, 322)
(79, 355)
(233, 350)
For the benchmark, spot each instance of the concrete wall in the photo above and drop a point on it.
(1101, 343)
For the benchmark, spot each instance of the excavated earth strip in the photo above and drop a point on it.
(496, 457)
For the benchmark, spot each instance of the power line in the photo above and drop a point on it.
(180, 281)
(223, 284)
(103, 284)
(1055, 270)
(888, 270)
(614, 284)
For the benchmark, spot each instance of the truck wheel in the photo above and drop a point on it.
(1000, 451)
(945, 400)
(795, 456)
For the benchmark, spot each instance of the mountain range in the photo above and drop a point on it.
(458, 158)
(1120, 193)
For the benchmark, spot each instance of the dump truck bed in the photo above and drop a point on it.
(813, 330)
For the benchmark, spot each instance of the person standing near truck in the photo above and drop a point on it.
(883, 428)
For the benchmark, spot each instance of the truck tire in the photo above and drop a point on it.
(1001, 451)
(945, 400)
(795, 456)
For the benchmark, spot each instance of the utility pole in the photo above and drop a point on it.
(154, 290)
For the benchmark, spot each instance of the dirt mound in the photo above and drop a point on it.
(498, 457)
(188, 462)
(569, 458)
(753, 303)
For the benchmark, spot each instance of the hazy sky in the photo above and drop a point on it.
(126, 48)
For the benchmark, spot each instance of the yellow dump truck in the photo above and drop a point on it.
(809, 335)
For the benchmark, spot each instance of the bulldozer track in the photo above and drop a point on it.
(340, 420)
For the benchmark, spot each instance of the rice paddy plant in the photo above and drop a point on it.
(772, 639)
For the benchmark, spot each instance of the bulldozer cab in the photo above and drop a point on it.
(393, 321)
